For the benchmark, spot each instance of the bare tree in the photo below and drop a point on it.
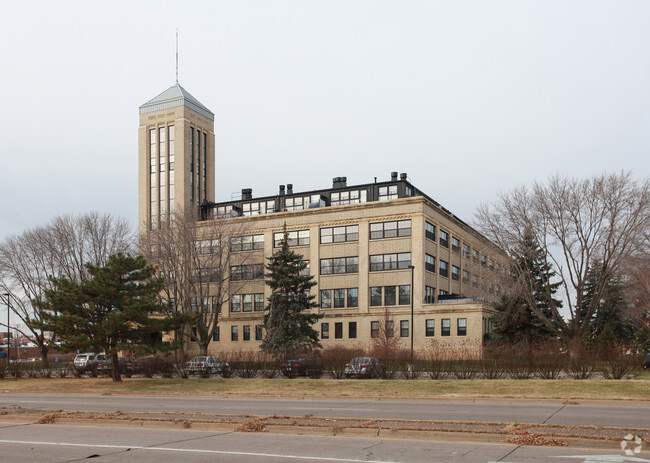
(577, 223)
(195, 259)
(58, 249)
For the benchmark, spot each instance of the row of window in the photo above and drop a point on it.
(376, 330)
(339, 298)
(247, 302)
(443, 237)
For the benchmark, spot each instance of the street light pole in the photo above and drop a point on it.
(412, 296)
(8, 349)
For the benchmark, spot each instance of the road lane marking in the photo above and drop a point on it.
(172, 449)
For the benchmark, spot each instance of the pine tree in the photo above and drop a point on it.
(515, 321)
(110, 310)
(287, 321)
(607, 323)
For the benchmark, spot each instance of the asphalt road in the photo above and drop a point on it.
(624, 415)
(56, 443)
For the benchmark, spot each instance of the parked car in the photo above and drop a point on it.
(305, 366)
(206, 366)
(364, 367)
(103, 364)
(83, 362)
(646, 362)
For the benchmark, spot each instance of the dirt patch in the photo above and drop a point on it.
(530, 438)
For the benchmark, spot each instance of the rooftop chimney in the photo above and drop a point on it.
(289, 188)
(246, 193)
(403, 176)
(281, 190)
(339, 182)
(393, 176)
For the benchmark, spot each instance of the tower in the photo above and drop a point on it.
(174, 126)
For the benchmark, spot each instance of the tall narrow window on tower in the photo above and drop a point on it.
(162, 151)
(203, 174)
(153, 196)
(171, 169)
(191, 165)
(198, 167)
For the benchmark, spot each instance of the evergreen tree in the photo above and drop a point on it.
(607, 323)
(287, 321)
(110, 310)
(515, 321)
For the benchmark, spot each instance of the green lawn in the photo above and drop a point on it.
(566, 389)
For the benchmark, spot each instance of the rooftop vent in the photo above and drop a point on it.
(393, 176)
(339, 182)
(281, 190)
(289, 188)
(246, 193)
(403, 176)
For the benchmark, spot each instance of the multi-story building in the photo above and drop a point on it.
(387, 258)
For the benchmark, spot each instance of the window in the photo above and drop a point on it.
(294, 238)
(234, 333)
(474, 281)
(348, 197)
(374, 329)
(259, 331)
(303, 202)
(429, 263)
(216, 335)
(455, 273)
(442, 292)
(305, 271)
(259, 302)
(216, 306)
(193, 335)
(444, 239)
(455, 244)
(326, 298)
(430, 231)
(339, 265)
(483, 260)
(430, 327)
(390, 229)
(429, 295)
(352, 330)
(475, 256)
(338, 330)
(491, 264)
(465, 251)
(353, 297)
(392, 295)
(445, 329)
(225, 212)
(258, 208)
(339, 234)
(444, 268)
(235, 303)
(390, 261)
(465, 276)
(247, 243)
(387, 192)
(247, 272)
(339, 298)
(324, 330)
(375, 296)
(247, 303)
(462, 327)
(247, 333)
(404, 329)
(390, 328)
(389, 295)
(404, 294)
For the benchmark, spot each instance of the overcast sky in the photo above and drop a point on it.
(468, 97)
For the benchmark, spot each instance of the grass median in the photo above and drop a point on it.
(566, 389)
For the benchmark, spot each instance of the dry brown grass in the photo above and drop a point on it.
(564, 389)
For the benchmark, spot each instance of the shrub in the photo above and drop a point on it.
(335, 358)
(617, 360)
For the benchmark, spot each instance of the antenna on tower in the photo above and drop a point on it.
(177, 55)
